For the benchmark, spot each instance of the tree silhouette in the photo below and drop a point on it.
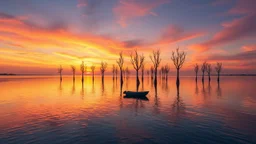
(103, 67)
(60, 69)
(166, 71)
(209, 70)
(137, 62)
(152, 72)
(127, 71)
(73, 71)
(116, 72)
(142, 72)
(113, 71)
(178, 59)
(162, 70)
(196, 68)
(93, 69)
(83, 69)
(120, 63)
(218, 69)
(155, 58)
(203, 69)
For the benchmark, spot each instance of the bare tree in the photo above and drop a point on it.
(83, 69)
(124, 74)
(166, 71)
(113, 71)
(218, 69)
(155, 58)
(127, 71)
(116, 71)
(73, 71)
(178, 59)
(60, 69)
(137, 62)
(196, 68)
(162, 70)
(120, 63)
(103, 67)
(209, 70)
(203, 69)
(142, 71)
(93, 69)
(152, 72)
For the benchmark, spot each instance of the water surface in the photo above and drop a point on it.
(37, 109)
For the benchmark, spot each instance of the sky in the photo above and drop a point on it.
(38, 36)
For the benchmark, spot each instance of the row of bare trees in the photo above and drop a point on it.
(138, 63)
(206, 68)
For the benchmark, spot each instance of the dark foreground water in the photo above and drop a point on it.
(43, 110)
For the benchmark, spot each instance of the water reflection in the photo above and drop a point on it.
(36, 111)
(218, 90)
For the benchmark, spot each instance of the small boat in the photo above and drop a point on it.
(136, 94)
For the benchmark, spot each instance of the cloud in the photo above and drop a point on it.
(127, 10)
(174, 33)
(81, 3)
(248, 48)
(133, 43)
(237, 29)
(244, 7)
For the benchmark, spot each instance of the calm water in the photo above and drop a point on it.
(43, 110)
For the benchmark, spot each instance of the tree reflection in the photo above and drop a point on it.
(218, 90)
(73, 88)
(121, 94)
(178, 105)
(82, 90)
(156, 100)
(196, 89)
(209, 88)
(102, 86)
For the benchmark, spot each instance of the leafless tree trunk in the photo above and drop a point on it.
(218, 69)
(142, 72)
(73, 71)
(103, 68)
(196, 68)
(166, 71)
(113, 71)
(83, 69)
(60, 69)
(208, 70)
(152, 72)
(120, 63)
(203, 69)
(92, 69)
(137, 62)
(178, 59)
(127, 72)
(155, 58)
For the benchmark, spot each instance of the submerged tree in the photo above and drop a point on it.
(162, 72)
(203, 69)
(83, 69)
(218, 69)
(152, 72)
(73, 71)
(120, 63)
(127, 71)
(116, 72)
(155, 58)
(148, 73)
(60, 69)
(113, 71)
(93, 69)
(142, 72)
(209, 70)
(166, 71)
(178, 59)
(103, 67)
(196, 68)
(137, 62)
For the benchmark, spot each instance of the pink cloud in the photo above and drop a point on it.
(244, 7)
(247, 48)
(127, 10)
(240, 28)
(81, 3)
(174, 33)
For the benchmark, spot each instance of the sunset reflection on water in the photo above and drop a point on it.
(43, 109)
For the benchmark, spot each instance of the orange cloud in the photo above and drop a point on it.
(127, 10)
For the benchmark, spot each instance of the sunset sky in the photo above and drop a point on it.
(38, 36)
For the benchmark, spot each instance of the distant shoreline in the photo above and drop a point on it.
(11, 74)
